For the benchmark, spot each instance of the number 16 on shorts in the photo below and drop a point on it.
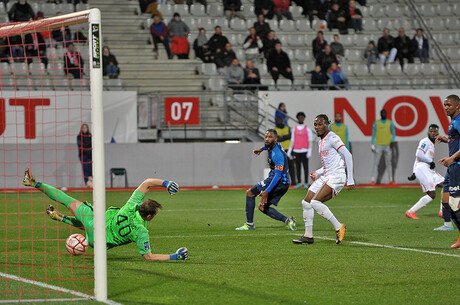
(182, 110)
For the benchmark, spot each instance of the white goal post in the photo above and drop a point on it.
(93, 18)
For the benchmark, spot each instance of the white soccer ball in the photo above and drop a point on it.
(76, 244)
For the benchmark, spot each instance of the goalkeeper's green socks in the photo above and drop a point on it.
(55, 194)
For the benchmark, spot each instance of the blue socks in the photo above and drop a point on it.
(446, 212)
(273, 213)
(250, 206)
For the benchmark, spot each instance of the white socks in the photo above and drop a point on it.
(420, 203)
(322, 210)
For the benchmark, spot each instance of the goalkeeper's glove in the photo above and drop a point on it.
(411, 177)
(171, 186)
(432, 165)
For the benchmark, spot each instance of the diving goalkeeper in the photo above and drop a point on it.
(124, 225)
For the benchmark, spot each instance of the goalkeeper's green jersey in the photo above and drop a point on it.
(125, 225)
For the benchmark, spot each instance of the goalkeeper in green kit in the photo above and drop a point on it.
(123, 225)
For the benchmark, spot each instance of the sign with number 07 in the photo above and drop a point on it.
(182, 110)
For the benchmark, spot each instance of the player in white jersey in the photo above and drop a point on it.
(424, 171)
(337, 170)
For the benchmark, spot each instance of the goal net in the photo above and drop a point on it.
(50, 85)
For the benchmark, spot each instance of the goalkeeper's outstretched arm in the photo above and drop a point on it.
(171, 186)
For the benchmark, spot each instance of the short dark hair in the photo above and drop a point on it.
(217, 26)
(336, 35)
(324, 117)
(433, 126)
(299, 114)
(149, 207)
(272, 130)
(454, 97)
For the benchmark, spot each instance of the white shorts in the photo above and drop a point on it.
(335, 182)
(428, 178)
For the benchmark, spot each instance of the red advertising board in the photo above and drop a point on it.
(182, 111)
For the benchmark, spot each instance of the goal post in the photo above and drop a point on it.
(42, 129)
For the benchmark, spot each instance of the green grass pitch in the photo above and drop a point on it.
(263, 266)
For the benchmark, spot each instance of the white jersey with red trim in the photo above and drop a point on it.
(331, 160)
(426, 147)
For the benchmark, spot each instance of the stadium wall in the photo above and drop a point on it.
(190, 164)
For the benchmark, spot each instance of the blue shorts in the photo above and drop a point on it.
(451, 183)
(275, 195)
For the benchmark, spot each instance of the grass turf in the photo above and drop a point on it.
(262, 266)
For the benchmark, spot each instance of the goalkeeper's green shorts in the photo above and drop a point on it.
(84, 214)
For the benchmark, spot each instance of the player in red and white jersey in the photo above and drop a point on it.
(337, 170)
(424, 171)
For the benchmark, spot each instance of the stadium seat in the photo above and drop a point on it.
(297, 70)
(369, 84)
(65, 8)
(248, 11)
(453, 53)
(48, 9)
(296, 11)
(5, 70)
(395, 69)
(83, 85)
(290, 54)
(84, 6)
(166, 10)
(43, 84)
(114, 84)
(296, 40)
(273, 24)
(19, 69)
(300, 83)
(118, 172)
(263, 70)
(393, 11)
(348, 70)
(302, 55)
(190, 22)
(420, 83)
(208, 69)
(379, 70)
(240, 54)
(287, 26)
(385, 23)
(198, 10)
(444, 38)
(403, 83)
(216, 84)
(436, 24)
(412, 70)
(361, 41)
(238, 25)
(361, 69)
(215, 10)
(283, 39)
(439, 83)
(456, 8)
(205, 23)
(284, 84)
(37, 69)
(376, 11)
(317, 24)
(182, 9)
(428, 10)
(386, 83)
(452, 23)
(347, 40)
(222, 22)
(429, 69)
(353, 55)
(7, 84)
(303, 25)
(308, 68)
(59, 69)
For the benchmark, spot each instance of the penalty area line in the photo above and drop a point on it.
(52, 287)
(316, 237)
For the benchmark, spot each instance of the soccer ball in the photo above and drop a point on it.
(76, 244)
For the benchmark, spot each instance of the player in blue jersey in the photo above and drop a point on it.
(451, 187)
(272, 188)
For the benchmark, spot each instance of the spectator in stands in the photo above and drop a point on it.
(253, 45)
(284, 138)
(61, 35)
(264, 7)
(234, 74)
(404, 46)
(152, 9)
(337, 19)
(109, 64)
(21, 11)
(251, 75)
(326, 58)
(318, 44)
(4, 50)
(278, 63)
(262, 27)
(281, 9)
(35, 47)
(143, 5)
(224, 59)
(17, 49)
(73, 62)
(178, 31)
(232, 9)
(371, 53)
(160, 34)
(281, 113)
(318, 78)
(217, 42)
(45, 33)
(337, 78)
(269, 43)
(355, 17)
(85, 154)
(338, 50)
(386, 47)
(203, 2)
(202, 50)
(313, 8)
(420, 46)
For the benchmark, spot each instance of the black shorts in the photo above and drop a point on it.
(275, 195)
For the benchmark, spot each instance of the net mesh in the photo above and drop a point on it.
(44, 100)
